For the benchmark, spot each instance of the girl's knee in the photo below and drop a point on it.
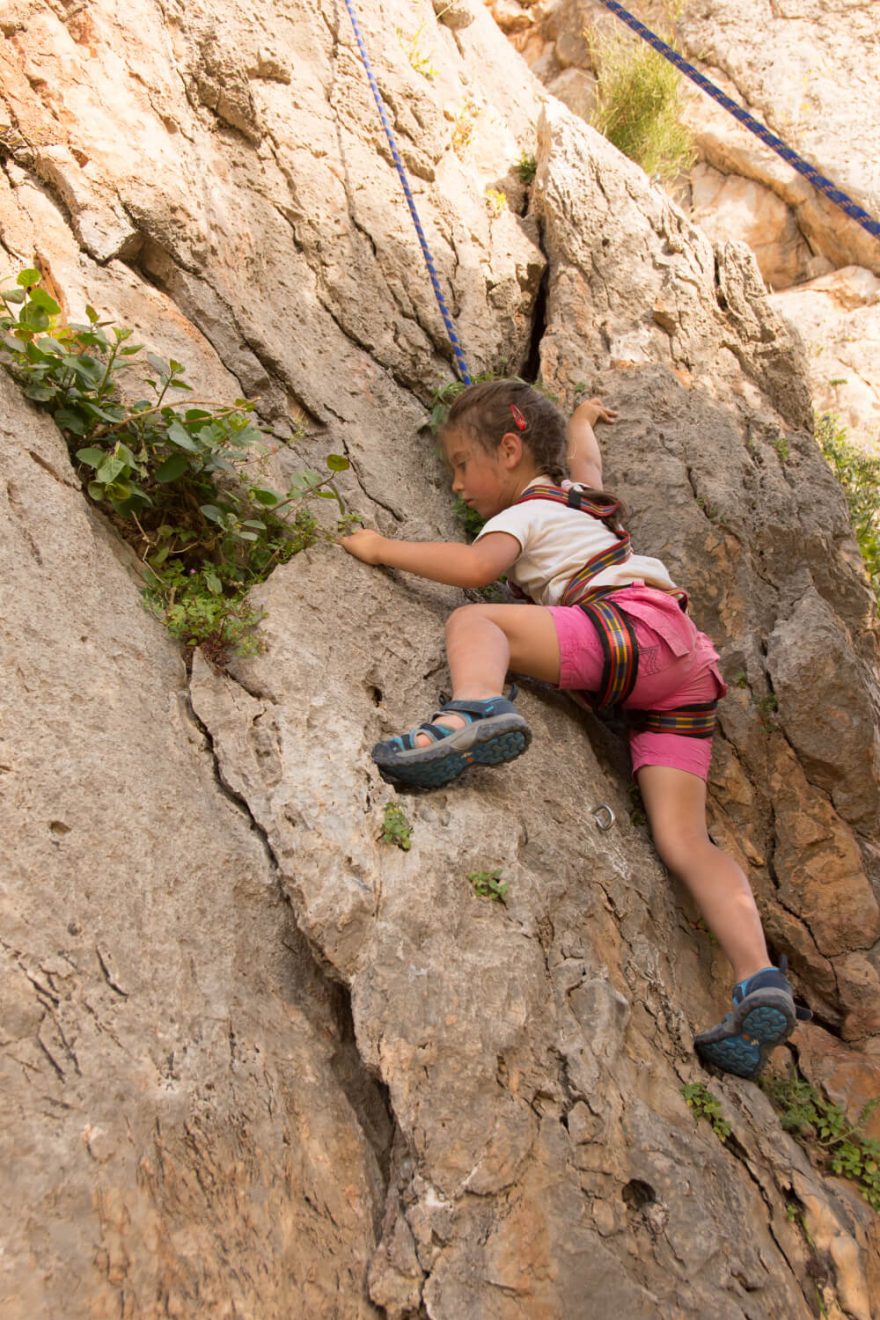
(464, 616)
(677, 848)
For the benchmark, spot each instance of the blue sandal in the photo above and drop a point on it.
(764, 1016)
(494, 732)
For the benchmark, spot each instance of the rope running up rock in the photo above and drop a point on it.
(826, 186)
(410, 200)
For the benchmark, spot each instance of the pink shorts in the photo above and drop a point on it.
(678, 666)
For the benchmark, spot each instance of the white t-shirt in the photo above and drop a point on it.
(557, 541)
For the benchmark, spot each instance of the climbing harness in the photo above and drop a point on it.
(410, 200)
(616, 634)
(825, 185)
(620, 648)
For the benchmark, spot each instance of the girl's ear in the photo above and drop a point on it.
(511, 449)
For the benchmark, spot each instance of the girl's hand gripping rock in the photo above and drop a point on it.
(593, 411)
(365, 545)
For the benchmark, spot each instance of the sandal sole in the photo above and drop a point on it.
(760, 1029)
(438, 770)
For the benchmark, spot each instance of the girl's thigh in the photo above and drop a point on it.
(530, 633)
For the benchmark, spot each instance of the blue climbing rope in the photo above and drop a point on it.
(410, 200)
(755, 126)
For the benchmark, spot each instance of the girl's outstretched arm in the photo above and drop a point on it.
(583, 456)
(451, 562)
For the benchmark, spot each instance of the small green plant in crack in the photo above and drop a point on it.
(468, 517)
(488, 884)
(174, 475)
(708, 508)
(418, 56)
(701, 926)
(741, 680)
(783, 448)
(526, 168)
(839, 1144)
(496, 202)
(706, 1106)
(445, 395)
(767, 708)
(396, 829)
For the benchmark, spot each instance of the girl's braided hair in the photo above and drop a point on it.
(486, 413)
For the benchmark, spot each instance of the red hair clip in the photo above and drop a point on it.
(519, 420)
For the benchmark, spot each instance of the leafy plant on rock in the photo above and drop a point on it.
(859, 475)
(839, 1143)
(706, 1106)
(488, 884)
(526, 168)
(170, 471)
(396, 828)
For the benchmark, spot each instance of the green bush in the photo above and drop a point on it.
(172, 476)
(526, 168)
(638, 106)
(840, 1144)
(859, 475)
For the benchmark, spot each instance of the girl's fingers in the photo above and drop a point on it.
(594, 410)
(364, 544)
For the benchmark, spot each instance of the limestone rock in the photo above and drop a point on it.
(257, 1061)
(838, 318)
(729, 206)
(787, 62)
(183, 1117)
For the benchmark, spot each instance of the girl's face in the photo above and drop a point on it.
(482, 479)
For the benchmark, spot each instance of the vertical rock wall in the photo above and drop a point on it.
(259, 1063)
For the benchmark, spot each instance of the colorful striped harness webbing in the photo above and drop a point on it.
(690, 721)
(616, 633)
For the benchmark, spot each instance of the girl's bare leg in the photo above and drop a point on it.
(484, 641)
(676, 805)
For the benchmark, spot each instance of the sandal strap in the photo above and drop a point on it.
(407, 741)
(481, 709)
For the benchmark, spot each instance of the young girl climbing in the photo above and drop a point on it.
(605, 622)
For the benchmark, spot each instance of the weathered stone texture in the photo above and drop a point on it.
(180, 1133)
(199, 1123)
(838, 319)
(787, 64)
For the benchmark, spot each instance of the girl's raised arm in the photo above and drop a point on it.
(583, 457)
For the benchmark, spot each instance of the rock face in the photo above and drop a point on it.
(256, 1061)
(838, 319)
(786, 63)
(179, 1077)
